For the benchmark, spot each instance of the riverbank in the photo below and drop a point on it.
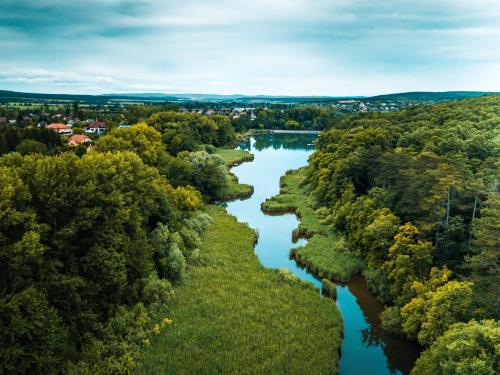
(231, 315)
(234, 190)
(325, 254)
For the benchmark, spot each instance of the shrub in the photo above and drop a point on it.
(329, 288)
(286, 275)
(391, 320)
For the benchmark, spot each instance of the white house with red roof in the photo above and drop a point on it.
(97, 127)
(78, 139)
(60, 128)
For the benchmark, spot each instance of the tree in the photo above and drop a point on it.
(77, 255)
(465, 348)
(428, 316)
(209, 172)
(141, 139)
(30, 146)
(408, 260)
(485, 263)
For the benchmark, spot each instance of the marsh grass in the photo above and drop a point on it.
(233, 157)
(233, 316)
(329, 288)
(325, 253)
(323, 256)
(234, 190)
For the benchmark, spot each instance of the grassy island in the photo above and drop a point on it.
(325, 254)
(231, 315)
(235, 190)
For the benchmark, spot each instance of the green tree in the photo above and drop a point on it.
(485, 262)
(465, 348)
(408, 260)
(30, 146)
(428, 316)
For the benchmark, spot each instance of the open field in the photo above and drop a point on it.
(233, 316)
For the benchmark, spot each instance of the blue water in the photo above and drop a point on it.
(365, 348)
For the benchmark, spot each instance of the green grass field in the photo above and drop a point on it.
(231, 315)
(235, 190)
(325, 253)
(234, 157)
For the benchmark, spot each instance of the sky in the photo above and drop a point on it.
(267, 47)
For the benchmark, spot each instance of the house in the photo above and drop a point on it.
(78, 139)
(12, 122)
(210, 112)
(60, 128)
(3, 120)
(124, 126)
(97, 127)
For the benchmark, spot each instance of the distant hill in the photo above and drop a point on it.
(431, 96)
(6, 96)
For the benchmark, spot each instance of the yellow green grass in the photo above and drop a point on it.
(234, 190)
(325, 253)
(231, 315)
(234, 157)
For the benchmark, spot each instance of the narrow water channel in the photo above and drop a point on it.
(366, 349)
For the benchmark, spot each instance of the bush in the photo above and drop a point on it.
(286, 275)
(157, 291)
(391, 320)
(378, 284)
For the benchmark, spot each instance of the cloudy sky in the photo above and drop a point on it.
(280, 47)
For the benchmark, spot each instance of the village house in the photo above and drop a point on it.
(97, 127)
(78, 139)
(60, 128)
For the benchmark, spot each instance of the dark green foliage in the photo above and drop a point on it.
(185, 132)
(206, 172)
(466, 348)
(30, 146)
(415, 193)
(11, 137)
(295, 118)
(78, 257)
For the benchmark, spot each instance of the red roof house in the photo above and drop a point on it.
(60, 128)
(78, 139)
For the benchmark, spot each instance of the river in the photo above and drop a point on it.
(366, 349)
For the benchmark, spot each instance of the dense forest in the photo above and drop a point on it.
(417, 195)
(91, 245)
(295, 118)
(94, 241)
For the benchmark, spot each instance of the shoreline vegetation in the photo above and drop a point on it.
(231, 314)
(325, 255)
(234, 190)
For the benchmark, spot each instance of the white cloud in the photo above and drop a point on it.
(299, 47)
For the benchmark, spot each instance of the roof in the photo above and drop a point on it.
(58, 126)
(78, 138)
(98, 124)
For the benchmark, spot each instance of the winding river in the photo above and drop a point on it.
(366, 349)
